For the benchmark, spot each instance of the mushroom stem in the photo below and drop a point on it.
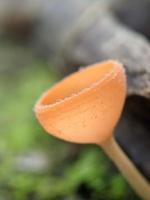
(125, 165)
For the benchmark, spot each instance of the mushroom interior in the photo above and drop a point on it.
(78, 82)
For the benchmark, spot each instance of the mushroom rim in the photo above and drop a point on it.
(41, 107)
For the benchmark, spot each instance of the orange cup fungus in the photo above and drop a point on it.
(85, 108)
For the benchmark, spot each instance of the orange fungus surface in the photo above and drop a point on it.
(85, 106)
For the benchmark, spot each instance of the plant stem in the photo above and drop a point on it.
(125, 165)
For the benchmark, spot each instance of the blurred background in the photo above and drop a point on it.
(40, 42)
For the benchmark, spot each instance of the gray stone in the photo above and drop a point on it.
(32, 162)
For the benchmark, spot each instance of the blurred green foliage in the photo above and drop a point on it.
(86, 175)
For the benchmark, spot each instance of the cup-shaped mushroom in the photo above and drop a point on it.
(85, 106)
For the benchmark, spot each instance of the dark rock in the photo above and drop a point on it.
(134, 14)
(133, 132)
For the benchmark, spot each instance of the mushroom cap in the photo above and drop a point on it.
(85, 106)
